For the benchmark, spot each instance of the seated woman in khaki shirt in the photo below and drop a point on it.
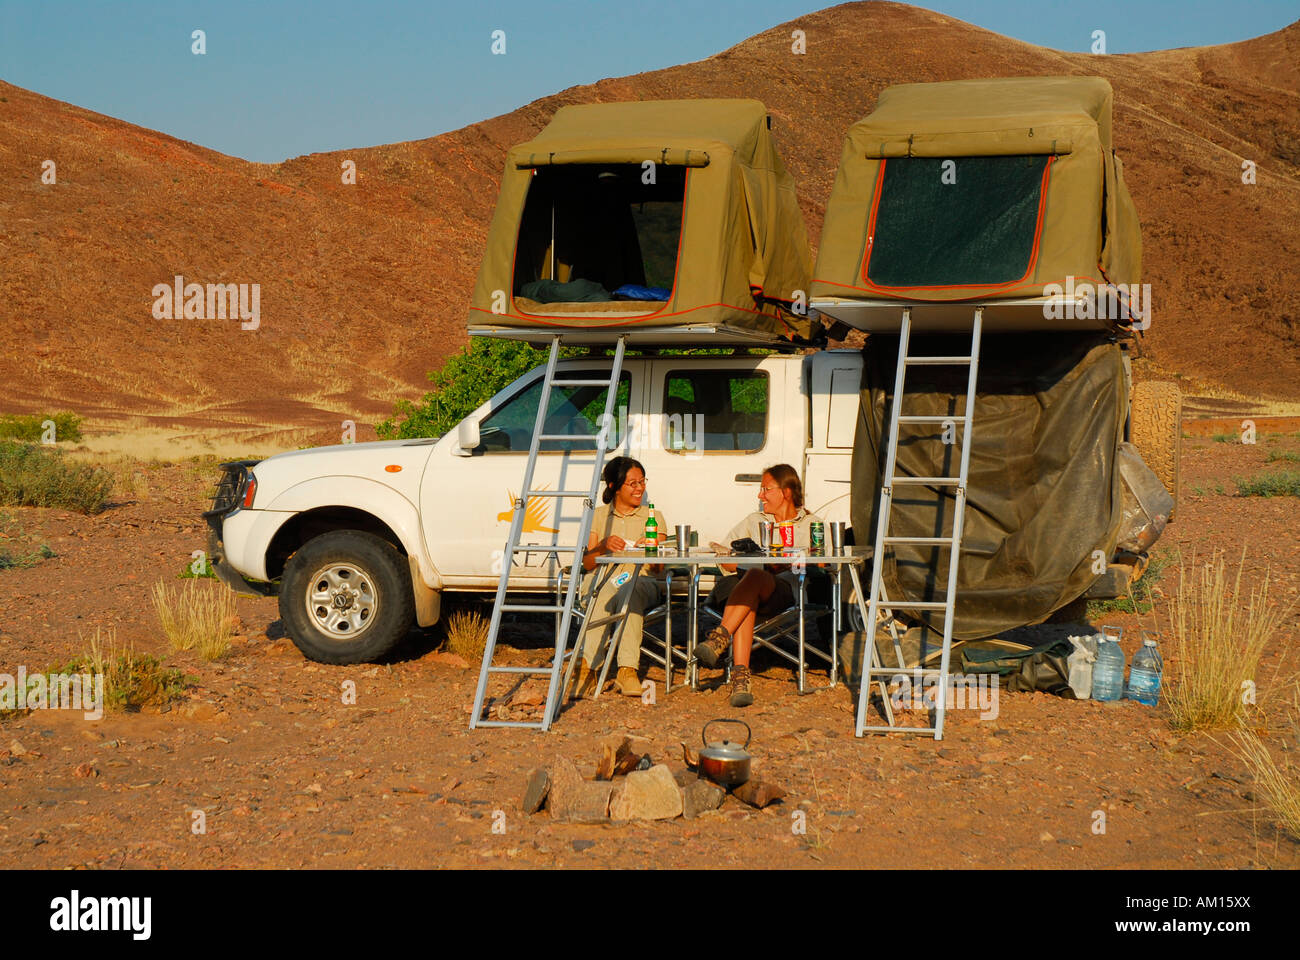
(760, 590)
(619, 523)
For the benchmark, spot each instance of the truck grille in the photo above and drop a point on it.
(230, 489)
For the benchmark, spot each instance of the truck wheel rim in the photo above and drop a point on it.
(342, 600)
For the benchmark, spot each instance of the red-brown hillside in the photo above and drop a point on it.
(364, 287)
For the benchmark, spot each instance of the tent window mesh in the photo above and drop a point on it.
(971, 222)
(601, 223)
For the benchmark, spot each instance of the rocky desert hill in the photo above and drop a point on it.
(364, 287)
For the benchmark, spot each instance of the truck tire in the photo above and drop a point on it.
(1156, 429)
(346, 597)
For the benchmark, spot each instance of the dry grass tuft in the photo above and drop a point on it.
(1217, 632)
(196, 616)
(467, 633)
(1278, 784)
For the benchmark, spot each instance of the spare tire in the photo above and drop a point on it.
(1156, 429)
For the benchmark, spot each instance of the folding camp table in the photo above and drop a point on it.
(850, 558)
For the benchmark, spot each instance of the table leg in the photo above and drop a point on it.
(803, 592)
(668, 631)
(837, 620)
(693, 631)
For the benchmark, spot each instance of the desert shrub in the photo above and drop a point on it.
(1287, 455)
(196, 617)
(131, 680)
(11, 561)
(1285, 483)
(466, 634)
(38, 476)
(460, 385)
(204, 572)
(1218, 627)
(1225, 438)
(17, 426)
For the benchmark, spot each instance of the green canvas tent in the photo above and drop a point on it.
(989, 191)
(628, 217)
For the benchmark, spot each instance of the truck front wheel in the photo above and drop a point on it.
(346, 597)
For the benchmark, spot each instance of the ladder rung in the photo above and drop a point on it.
(908, 672)
(541, 548)
(928, 481)
(581, 383)
(918, 605)
(519, 670)
(964, 421)
(933, 541)
(535, 724)
(529, 608)
(557, 493)
(935, 361)
(926, 730)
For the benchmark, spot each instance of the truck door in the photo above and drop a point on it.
(836, 377)
(714, 425)
(467, 503)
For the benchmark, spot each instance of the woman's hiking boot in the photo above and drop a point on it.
(714, 647)
(627, 682)
(584, 681)
(740, 693)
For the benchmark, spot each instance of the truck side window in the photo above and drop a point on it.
(572, 410)
(715, 411)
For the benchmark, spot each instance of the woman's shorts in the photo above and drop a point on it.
(782, 597)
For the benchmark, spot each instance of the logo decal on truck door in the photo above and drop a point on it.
(534, 514)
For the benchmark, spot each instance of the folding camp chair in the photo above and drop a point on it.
(662, 613)
(790, 625)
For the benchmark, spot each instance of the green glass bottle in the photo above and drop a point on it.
(651, 533)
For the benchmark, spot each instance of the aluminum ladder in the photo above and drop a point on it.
(872, 670)
(563, 608)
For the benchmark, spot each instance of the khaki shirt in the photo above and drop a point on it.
(631, 527)
(749, 528)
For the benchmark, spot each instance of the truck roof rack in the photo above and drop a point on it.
(679, 337)
(1082, 311)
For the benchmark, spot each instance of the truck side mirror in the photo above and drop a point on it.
(467, 437)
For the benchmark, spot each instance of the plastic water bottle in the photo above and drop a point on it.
(1108, 671)
(1144, 678)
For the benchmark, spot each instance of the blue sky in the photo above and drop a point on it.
(281, 79)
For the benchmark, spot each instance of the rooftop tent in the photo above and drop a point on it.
(632, 217)
(979, 190)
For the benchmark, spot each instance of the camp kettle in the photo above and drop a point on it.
(726, 763)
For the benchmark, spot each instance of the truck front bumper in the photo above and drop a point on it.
(225, 572)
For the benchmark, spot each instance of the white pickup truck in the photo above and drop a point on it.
(360, 540)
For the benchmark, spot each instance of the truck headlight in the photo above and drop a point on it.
(250, 490)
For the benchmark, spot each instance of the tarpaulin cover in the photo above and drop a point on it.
(1044, 487)
(743, 244)
(979, 190)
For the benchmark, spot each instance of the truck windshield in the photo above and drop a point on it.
(572, 410)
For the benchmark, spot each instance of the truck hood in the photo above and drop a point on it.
(370, 461)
